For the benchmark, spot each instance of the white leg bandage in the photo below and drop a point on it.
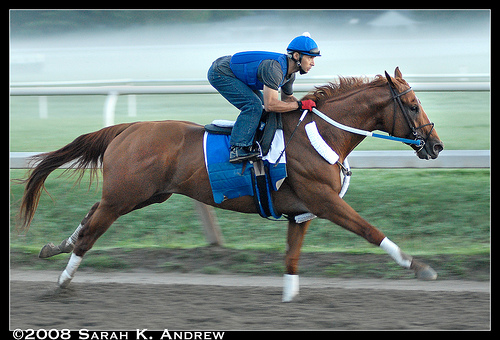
(73, 264)
(392, 249)
(69, 272)
(290, 287)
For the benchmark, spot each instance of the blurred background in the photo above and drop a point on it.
(428, 212)
(96, 45)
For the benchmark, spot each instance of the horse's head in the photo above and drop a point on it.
(410, 120)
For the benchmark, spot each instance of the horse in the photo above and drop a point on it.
(147, 162)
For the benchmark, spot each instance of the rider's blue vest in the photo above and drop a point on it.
(245, 65)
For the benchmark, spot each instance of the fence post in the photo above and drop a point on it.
(109, 108)
(210, 226)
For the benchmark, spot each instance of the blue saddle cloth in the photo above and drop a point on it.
(230, 180)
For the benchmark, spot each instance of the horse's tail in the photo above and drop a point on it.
(86, 151)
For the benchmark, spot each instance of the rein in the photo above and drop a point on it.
(417, 142)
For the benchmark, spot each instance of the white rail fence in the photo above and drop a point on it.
(361, 159)
(358, 159)
(113, 91)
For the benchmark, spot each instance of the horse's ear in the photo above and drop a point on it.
(397, 73)
(389, 80)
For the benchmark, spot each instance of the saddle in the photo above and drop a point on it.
(269, 123)
(254, 178)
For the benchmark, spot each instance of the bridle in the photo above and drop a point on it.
(414, 130)
(417, 142)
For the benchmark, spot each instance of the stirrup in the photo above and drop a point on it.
(247, 155)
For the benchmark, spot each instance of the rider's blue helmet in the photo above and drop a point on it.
(304, 44)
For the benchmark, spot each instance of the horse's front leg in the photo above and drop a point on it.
(296, 233)
(338, 211)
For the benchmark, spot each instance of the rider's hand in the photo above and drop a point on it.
(307, 104)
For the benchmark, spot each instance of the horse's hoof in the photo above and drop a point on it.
(427, 273)
(64, 279)
(423, 271)
(49, 250)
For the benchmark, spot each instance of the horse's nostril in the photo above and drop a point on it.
(438, 147)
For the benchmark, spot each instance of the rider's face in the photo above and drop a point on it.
(307, 62)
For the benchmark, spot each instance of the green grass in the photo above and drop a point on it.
(424, 211)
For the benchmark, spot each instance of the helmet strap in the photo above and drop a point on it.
(301, 70)
(299, 65)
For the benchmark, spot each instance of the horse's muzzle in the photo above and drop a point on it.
(431, 149)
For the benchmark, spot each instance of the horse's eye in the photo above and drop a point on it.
(414, 108)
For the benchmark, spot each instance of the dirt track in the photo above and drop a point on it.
(195, 301)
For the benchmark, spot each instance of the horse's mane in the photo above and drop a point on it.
(345, 84)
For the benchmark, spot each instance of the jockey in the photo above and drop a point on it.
(241, 77)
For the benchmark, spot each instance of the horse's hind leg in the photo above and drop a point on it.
(68, 244)
(97, 224)
(99, 219)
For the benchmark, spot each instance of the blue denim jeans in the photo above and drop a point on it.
(245, 99)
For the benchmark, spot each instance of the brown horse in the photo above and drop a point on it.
(147, 162)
